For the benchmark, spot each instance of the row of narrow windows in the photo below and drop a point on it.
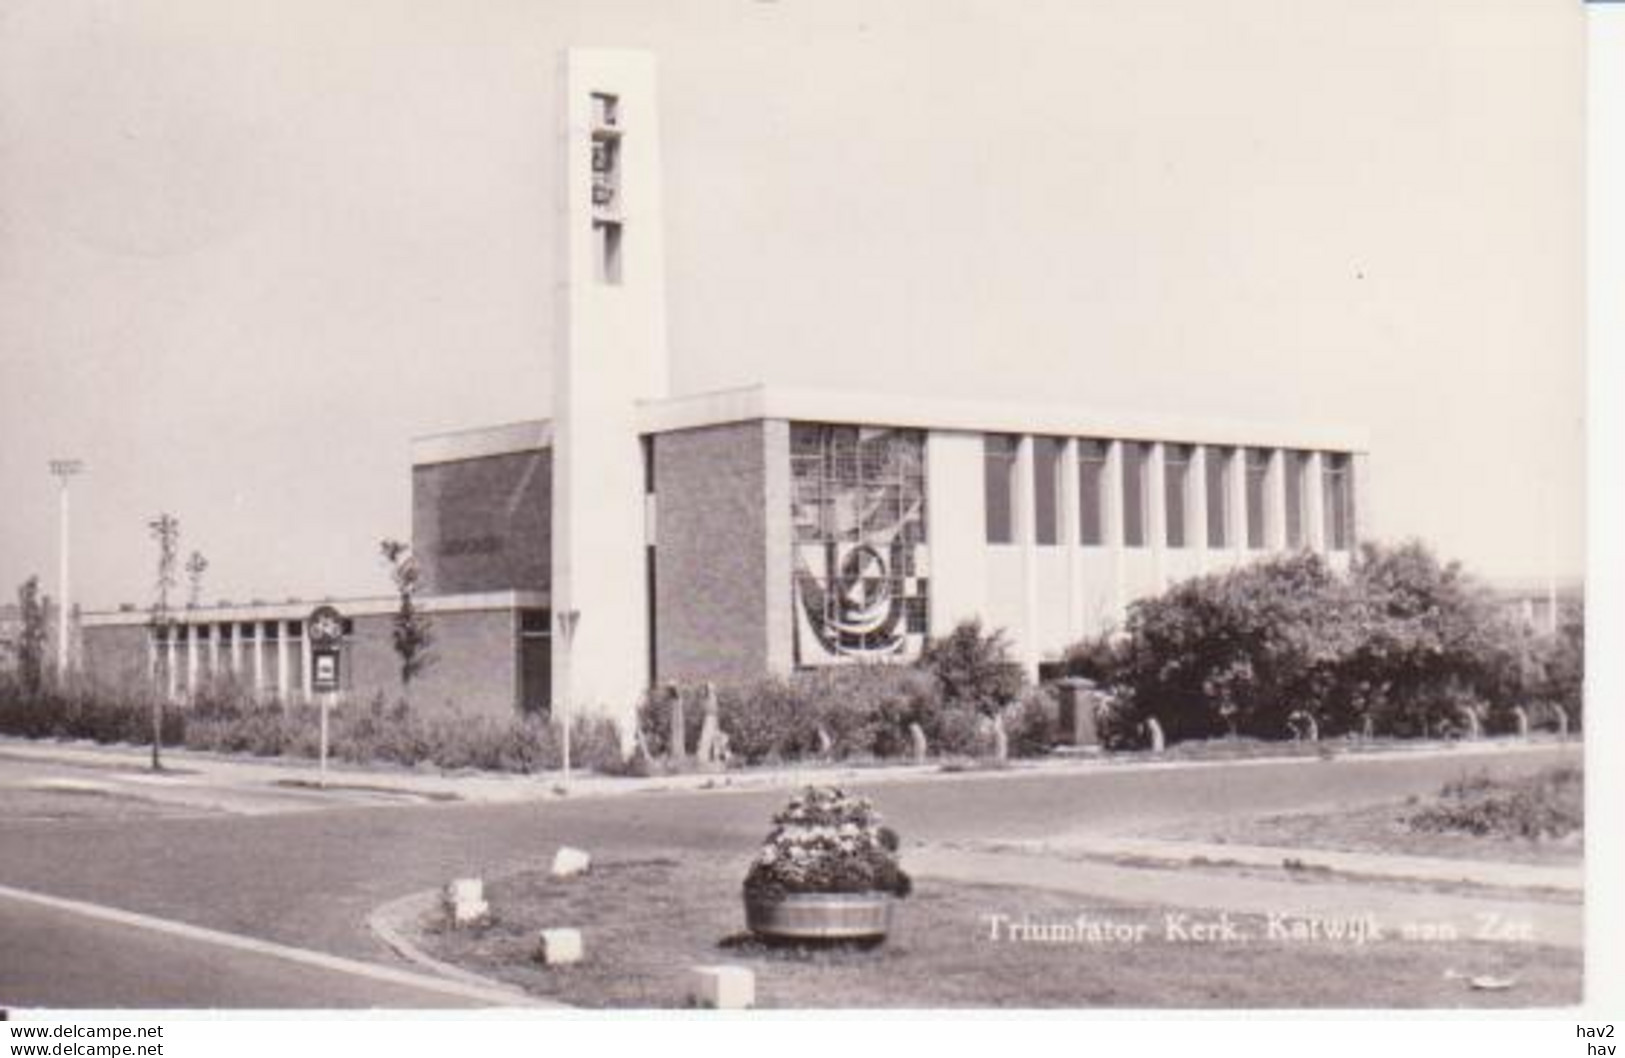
(1182, 523)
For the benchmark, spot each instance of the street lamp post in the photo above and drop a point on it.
(567, 620)
(63, 469)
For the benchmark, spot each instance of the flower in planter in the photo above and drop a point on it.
(826, 841)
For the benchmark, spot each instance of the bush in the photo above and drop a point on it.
(225, 718)
(1404, 640)
(1033, 723)
(864, 709)
(1548, 804)
(81, 709)
(1237, 652)
(973, 669)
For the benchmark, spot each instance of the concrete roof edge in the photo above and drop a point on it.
(952, 414)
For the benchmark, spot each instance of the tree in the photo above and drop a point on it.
(1240, 652)
(412, 632)
(1436, 642)
(166, 531)
(31, 642)
(974, 669)
(196, 566)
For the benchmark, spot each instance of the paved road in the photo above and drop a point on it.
(310, 879)
(65, 959)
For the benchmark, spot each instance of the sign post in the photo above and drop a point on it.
(568, 619)
(326, 631)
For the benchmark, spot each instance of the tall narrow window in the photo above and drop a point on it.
(999, 481)
(1217, 469)
(1092, 491)
(1136, 461)
(1047, 490)
(1294, 464)
(1338, 491)
(1176, 479)
(607, 251)
(1258, 469)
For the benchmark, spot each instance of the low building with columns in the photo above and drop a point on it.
(637, 535)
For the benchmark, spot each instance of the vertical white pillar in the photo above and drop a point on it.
(1156, 505)
(1197, 504)
(191, 660)
(1235, 483)
(1112, 511)
(1024, 518)
(306, 679)
(1071, 538)
(152, 656)
(214, 650)
(282, 688)
(258, 645)
(1363, 526)
(236, 659)
(174, 663)
(63, 590)
(954, 498)
(1275, 502)
(1314, 504)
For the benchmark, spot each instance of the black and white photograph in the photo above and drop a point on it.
(549, 506)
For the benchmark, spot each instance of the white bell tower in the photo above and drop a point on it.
(609, 353)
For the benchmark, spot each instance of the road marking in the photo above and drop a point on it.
(354, 967)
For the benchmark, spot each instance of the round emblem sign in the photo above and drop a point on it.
(326, 627)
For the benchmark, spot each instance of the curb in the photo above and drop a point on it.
(389, 923)
(539, 787)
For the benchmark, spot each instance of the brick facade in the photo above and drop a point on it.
(484, 524)
(711, 565)
(474, 667)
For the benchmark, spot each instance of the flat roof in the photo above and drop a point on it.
(868, 408)
(298, 610)
(985, 416)
(479, 442)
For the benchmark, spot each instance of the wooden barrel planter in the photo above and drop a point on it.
(819, 917)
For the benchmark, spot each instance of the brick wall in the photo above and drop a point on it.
(484, 524)
(711, 581)
(116, 656)
(474, 667)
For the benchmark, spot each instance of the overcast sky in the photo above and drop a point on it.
(249, 249)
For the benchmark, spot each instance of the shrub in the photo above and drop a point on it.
(1548, 804)
(81, 709)
(864, 709)
(225, 718)
(973, 669)
(1433, 636)
(1033, 723)
(1099, 659)
(768, 719)
(1236, 652)
(1404, 640)
(959, 732)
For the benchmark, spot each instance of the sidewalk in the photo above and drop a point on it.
(1394, 910)
(252, 785)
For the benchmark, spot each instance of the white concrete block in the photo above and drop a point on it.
(559, 947)
(465, 901)
(569, 862)
(465, 890)
(722, 987)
